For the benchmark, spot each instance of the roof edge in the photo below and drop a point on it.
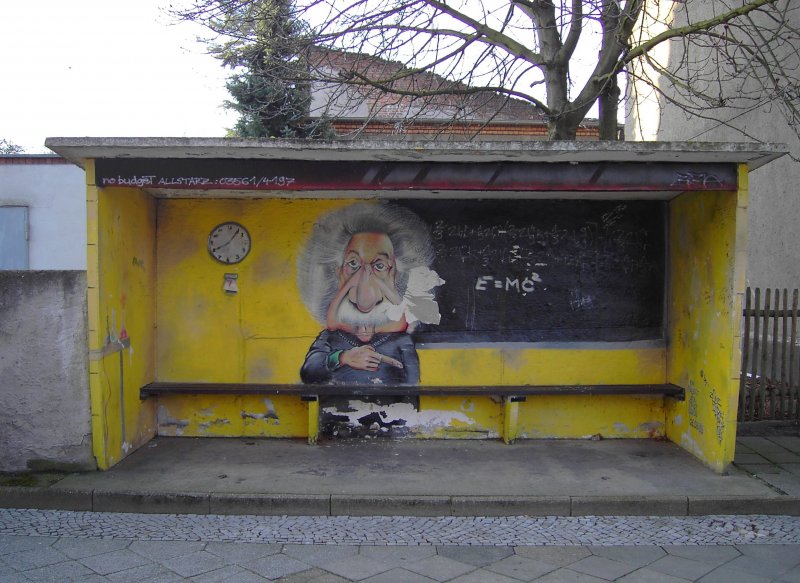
(77, 150)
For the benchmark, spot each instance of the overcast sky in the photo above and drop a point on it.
(104, 68)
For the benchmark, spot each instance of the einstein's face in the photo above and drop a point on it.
(367, 286)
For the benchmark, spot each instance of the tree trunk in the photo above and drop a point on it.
(609, 105)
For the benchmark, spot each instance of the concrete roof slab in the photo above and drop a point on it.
(77, 150)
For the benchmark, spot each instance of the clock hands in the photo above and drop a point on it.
(229, 241)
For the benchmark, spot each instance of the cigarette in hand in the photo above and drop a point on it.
(391, 361)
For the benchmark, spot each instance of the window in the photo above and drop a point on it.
(13, 237)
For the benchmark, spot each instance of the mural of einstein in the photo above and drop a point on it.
(365, 275)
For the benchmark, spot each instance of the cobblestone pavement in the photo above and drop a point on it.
(82, 546)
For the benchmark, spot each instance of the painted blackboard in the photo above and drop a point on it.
(546, 270)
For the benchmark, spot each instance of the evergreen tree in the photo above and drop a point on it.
(266, 47)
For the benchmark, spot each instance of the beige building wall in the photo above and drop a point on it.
(773, 249)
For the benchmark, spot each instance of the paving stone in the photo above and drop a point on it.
(114, 561)
(319, 555)
(6, 570)
(151, 573)
(477, 556)
(759, 444)
(397, 556)
(762, 567)
(791, 576)
(10, 543)
(645, 575)
(81, 547)
(483, 576)
(194, 563)
(567, 575)
(725, 574)
(782, 457)
(439, 568)
(242, 552)
(601, 567)
(790, 442)
(793, 469)
(315, 575)
(357, 567)
(636, 556)
(749, 458)
(15, 578)
(66, 571)
(275, 566)
(763, 469)
(33, 558)
(785, 554)
(521, 568)
(398, 575)
(680, 567)
(557, 556)
(228, 573)
(713, 555)
(224, 575)
(163, 550)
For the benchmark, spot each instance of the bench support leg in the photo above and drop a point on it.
(510, 418)
(313, 420)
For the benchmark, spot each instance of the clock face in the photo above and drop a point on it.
(229, 243)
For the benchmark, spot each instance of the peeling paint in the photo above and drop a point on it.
(382, 417)
(167, 423)
(215, 423)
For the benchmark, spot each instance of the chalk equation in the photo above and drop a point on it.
(523, 286)
(155, 181)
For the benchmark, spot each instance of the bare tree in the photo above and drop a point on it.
(7, 147)
(561, 56)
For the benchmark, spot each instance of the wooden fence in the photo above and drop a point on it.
(769, 386)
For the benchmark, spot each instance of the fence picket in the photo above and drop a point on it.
(794, 380)
(771, 390)
(751, 409)
(783, 388)
(745, 354)
(762, 385)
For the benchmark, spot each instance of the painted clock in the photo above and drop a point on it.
(229, 242)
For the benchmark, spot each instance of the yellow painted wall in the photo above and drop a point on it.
(706, 270)
(262, 333)
(121, 277)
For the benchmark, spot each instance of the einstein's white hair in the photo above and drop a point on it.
(317, 263)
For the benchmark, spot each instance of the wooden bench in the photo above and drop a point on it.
(511, 394)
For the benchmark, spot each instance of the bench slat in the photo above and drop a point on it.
(183, 388)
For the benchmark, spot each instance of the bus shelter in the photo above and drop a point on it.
(306, 289)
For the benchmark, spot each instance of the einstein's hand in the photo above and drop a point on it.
(366, 358)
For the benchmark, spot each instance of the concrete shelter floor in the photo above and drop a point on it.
(418, 467)
(410, 477)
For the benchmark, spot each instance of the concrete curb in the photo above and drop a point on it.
(778, 505)
(365, 505)
(355, 505)
(629, 506)
(271, 504)
(44, 498)
(510, 505)
(151, 502)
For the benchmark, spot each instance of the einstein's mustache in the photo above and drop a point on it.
(348, 314)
